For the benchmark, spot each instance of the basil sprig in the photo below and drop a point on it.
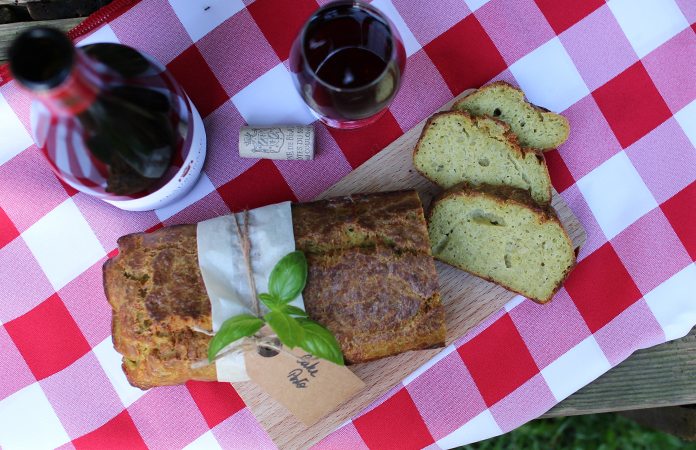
(286, 282)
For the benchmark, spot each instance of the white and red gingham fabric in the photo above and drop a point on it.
(622, 71)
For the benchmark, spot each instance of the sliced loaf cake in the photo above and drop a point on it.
(501, 234)
(456, 146)
(536, 127)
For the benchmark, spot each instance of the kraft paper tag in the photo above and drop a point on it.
(289, 142)
(308, 388)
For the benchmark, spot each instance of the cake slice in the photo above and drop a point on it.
(456, 146)
(535, 127)
(501, 234)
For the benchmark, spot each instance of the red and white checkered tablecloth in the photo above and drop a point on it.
(622, 71)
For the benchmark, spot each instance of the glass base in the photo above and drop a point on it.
(350, 124)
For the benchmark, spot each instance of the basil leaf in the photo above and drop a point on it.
(232, 329)
(319, 341)
(289, 331)
(270, 301)
(288, 277)
(294, 310)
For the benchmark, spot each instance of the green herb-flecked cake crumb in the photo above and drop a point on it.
(455, 146)
(500, 234)
(535, 127)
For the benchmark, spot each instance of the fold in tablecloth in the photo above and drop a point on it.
(621, 71)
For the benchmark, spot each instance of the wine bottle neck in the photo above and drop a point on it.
(46, 63)
(75, 94)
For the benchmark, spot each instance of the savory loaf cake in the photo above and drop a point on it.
(456, 146)
(501, 234)
(371, 281)
(371, 278)
(535, 127)
(158, 298)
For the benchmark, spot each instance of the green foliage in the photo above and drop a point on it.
(319, 341)
(289, 331)
(288, 277)
(286, 282)
(232, 329)
(270, 301)
(294, 310)
(588, 432)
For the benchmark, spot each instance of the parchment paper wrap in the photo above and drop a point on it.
(223, 269)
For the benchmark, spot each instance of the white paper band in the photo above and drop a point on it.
(223, 268)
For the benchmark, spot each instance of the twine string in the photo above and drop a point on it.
(245, 244)
(245, 344)
(257, 340)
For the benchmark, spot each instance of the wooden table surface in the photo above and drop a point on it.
(664, 375)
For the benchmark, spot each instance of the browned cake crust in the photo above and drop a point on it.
(502, 194)
(371, 278)
(371, 281)
(455, 146)
(156, 290)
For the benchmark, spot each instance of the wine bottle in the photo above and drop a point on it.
(111, 121)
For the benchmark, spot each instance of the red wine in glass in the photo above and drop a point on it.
(347, 63)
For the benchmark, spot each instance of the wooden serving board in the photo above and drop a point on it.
(468, 300)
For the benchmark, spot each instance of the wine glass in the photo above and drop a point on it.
(347, 63)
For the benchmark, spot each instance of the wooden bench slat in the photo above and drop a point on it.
(679, 421)
(17, 2)
(9, 31)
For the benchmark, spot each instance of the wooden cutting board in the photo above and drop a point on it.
(468, 300)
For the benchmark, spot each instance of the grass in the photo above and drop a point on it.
(588, 432)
